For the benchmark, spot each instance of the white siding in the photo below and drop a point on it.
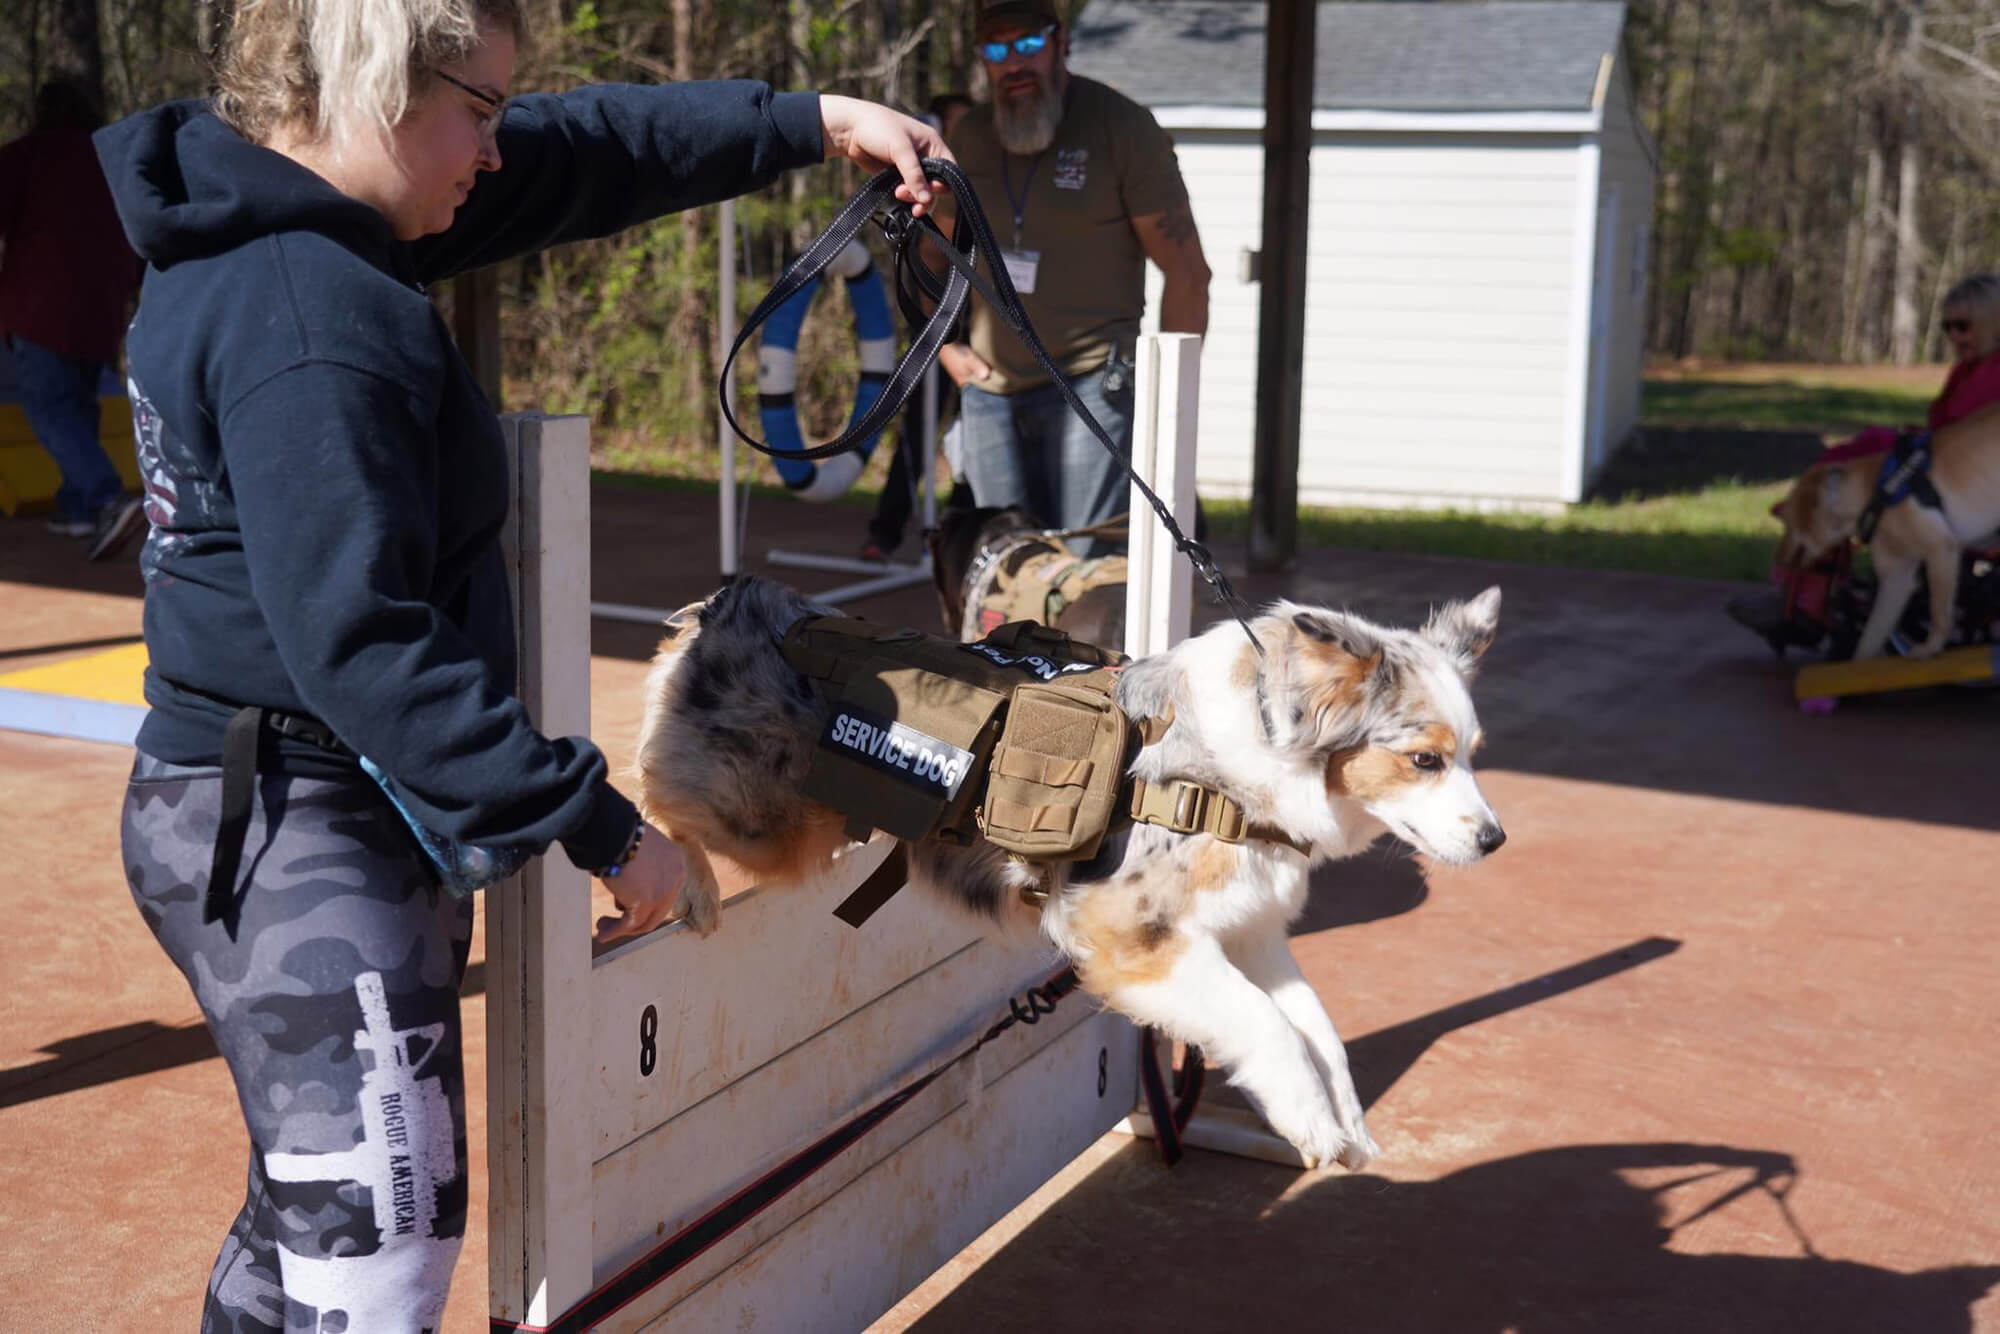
(1225, 179)
(1628, 171)
(1452, 278)
(1438, 314)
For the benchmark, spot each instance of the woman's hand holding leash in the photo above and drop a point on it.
(648, 889)
(874, 137)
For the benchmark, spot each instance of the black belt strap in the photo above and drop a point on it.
(972, 238)
(242, 737)
(880, 886)
(239, 790)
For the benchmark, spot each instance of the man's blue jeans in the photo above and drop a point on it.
(59, 396)
(1031, 449)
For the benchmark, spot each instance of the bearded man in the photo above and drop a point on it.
(1082, 188)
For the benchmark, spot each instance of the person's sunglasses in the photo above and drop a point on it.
(496, 107)
(1027, 45)
(1957, 326)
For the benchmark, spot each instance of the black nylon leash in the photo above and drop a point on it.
(971, 239)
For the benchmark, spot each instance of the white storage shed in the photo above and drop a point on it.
(1481, 205)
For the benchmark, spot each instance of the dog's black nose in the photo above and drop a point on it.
(1491, 836)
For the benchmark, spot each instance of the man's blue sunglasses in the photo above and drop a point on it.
(1028, 45)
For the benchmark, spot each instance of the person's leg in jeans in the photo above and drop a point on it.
(1093, 483)
(59, 397)
(335, 1005)
(999, 460)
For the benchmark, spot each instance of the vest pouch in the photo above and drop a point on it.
(1056, 772)
(905, 749)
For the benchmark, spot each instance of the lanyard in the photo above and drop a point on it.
(1019, 205)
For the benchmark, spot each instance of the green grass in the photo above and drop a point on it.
(1720, 532)
(1691, 496)
(1792, 402)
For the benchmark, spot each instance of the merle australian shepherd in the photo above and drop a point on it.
(1342, 731)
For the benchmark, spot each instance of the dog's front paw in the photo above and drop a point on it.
(1317, 1138)
(1359, 1151)
(702, 909)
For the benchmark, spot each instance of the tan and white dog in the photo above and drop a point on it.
(1345, 731)
(1825, 505)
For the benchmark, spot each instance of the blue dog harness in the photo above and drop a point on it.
(1906, 472)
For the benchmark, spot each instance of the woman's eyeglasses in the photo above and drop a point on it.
(496, 107)
(1956, 326)
(996, 52)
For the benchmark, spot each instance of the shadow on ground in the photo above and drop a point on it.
(1666, 461)
(128, 1051)
(1562, 1239)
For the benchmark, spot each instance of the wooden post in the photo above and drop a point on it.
(538, 1087)
(1166, 404)
(1289, 41)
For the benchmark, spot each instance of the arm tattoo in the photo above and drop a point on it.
(1177, 224)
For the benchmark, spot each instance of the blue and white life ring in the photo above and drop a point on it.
(777, 375)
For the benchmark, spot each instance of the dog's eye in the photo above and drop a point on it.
(1427, 759)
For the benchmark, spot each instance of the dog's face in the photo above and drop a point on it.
(1818, 515)
(1388, 717)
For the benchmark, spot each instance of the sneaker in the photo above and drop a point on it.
(117, 523)
(871, 550)
(64, 526)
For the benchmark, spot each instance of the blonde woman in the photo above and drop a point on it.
(325, 492)
(1971, 324)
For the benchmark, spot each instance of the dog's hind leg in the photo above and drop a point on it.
(1265, 957)
(1202, 998)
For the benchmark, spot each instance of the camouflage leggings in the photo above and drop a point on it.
(336, 1008)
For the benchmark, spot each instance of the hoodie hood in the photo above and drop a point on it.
(187, 187)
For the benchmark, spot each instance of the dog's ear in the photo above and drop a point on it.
(1321, 678)
(1464, 630)
(1343, 634)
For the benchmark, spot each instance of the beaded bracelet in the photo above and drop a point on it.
(624, 859)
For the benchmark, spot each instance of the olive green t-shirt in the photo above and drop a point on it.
(1110, 162)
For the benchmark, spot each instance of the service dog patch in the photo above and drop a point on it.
(934, 767)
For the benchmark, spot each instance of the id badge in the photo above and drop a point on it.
(1021, 266)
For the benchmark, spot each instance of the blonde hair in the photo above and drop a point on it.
(1979, 297)
(339, 68)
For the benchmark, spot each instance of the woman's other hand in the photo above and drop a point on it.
(647, 891)
(875, 137)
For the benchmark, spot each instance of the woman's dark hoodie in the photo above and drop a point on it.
(324, 478)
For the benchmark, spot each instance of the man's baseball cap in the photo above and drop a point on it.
(1012, 13)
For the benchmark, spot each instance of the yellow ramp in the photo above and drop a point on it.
(1825, 680)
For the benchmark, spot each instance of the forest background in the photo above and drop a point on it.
(1827, 169)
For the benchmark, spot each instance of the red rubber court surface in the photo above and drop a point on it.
(1711, 1044)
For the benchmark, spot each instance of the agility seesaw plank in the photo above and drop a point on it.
(1828, 680)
